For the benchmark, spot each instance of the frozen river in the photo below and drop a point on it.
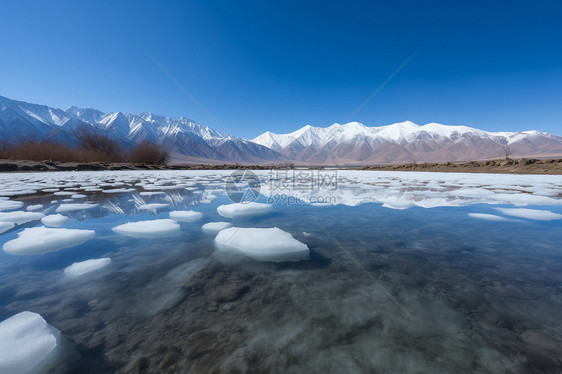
(327, 271)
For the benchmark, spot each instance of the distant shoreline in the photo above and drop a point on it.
(500, 166)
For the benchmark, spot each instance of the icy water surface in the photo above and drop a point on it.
(406, 272)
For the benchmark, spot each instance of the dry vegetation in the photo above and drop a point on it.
(93, 145)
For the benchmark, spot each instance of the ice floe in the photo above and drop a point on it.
(64, 193)
(157, 228)
(488, 217)
(19, 217)
(83, 267)
(239, 210)
(186, 215)
(54, 220)
(27, 344)
(153, 206)
(35, 207)
(70, 207)
(5, 226)
(269, 244)
(10, 204)
(536, 214)
(39, 240)
(119, 190)
(214, 227)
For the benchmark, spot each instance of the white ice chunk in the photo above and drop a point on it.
(32, 208)
(5, 226)
(488, 217)
(119, 190)
(78, 196)
(39, 240)
(50, 190)
(536, 214)
(157, 228)
(153, 206)
(27, 344)
(271, 244)
(152, 193)
(186, 216)
(83, 267)
(214, 227)
(10, 205)
(238, 210)
(54, 220)
(74, 207)
(20, 217)
(64, 193)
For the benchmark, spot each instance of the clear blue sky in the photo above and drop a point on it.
(278, 65)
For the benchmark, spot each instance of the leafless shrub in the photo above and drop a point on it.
(149, 153)
(507, 151)
(95, 140)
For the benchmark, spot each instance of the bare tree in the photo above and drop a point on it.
(94, 139)
(97, 140)
(507, 150)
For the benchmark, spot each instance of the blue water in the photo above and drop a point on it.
(385, 290)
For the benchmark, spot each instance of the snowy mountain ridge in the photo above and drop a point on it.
(405, 142)
(185, 138)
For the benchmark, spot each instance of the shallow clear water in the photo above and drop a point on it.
(400, 277)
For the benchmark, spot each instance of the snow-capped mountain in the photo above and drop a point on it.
(355, 143)
(185, 138)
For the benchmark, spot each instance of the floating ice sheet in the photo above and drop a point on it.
(239, 210)
(269, 244)
(39, 240)
(84, 267)
(27, 344)
(536, 214)
(54, 220)
(152, 206)
(35, 207)
(214, 227)
(5, 226)
(20, 217)
(488, 217)
(10, 205)
(158, 228)
(63, 208)
(186, 215)
(119, 190)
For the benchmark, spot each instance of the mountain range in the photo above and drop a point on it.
(405, 142)
(351, 143)
(184, 138)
